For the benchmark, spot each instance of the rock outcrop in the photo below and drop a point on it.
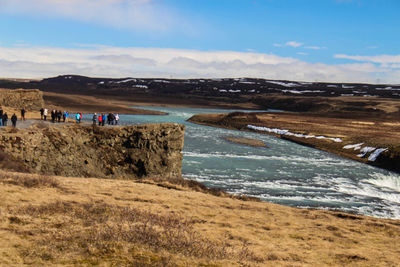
(86, 151)
(31, 99)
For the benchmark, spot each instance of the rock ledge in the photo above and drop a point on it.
(86, 151)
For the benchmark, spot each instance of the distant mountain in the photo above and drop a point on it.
(222, 87)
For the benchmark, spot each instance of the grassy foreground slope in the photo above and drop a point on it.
(80, 221)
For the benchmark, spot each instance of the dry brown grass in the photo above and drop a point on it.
(178, 183)
(130, 223)
(29, 180)
(97, 231)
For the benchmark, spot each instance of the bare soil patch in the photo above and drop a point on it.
(245, 141)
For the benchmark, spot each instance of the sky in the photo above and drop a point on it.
(303, 40)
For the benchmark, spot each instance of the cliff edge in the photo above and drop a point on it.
(86, 151)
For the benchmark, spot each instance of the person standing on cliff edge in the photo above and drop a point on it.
(5, 119)
(116, 119)
(94, 119)
(14, 120)
(1, 116)
(23, 114)
(41, 113)
(103, 119)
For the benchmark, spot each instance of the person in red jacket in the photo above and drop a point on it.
(100, 119)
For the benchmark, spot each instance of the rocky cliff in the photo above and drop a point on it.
(29, 99)
(124, 152)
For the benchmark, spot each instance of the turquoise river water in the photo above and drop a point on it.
(284, 173)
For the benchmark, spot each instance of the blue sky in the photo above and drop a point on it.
(310, 40)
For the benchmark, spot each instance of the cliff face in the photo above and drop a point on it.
(124, 152)
(29, 99)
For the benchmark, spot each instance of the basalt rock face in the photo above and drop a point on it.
(19, 98)
(85, 151)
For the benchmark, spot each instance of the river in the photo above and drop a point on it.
(285, 173)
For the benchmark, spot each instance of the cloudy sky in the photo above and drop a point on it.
(305, 40)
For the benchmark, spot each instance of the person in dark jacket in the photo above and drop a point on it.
(109, 118)
(41, 113)
(94, 119)
(14, 120)
(53, 116)
(5, 119)
(112, 119)
(23, 114)
(1, 116)
(59, 115)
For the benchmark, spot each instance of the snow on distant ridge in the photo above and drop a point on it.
(244, 82)
(302, 92)
(127, 80)
(286, 84)
(140, 86)
(161, 81)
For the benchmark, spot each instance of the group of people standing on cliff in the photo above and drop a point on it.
(111, 118)
(4, 117)
(60, 116)
(55, 115)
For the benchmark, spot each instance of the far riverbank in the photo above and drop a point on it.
(351, 138)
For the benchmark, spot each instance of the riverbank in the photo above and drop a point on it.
(356, 139)
(49, 220)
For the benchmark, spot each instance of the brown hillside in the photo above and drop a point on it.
(85, 222)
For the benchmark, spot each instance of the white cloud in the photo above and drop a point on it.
(102, 61)
(315, 47)
(131, 14)
(302, 53)
(290, 43)
(293, 44)
(382, 59)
